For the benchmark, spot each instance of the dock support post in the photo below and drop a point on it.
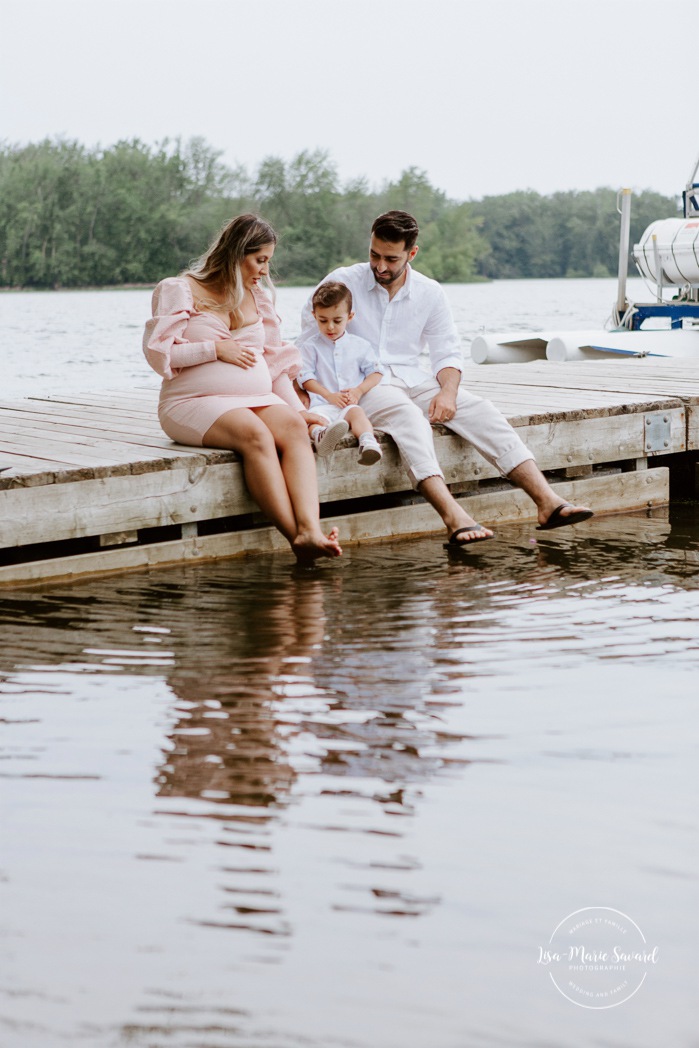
(624, 234)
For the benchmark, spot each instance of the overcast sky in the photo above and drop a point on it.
(487, 96)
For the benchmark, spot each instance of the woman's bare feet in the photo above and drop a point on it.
(310, 545)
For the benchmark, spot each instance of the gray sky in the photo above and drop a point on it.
(486, 96)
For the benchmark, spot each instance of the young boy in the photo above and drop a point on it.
(338, 369)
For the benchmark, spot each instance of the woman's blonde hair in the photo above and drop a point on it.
(219, 267)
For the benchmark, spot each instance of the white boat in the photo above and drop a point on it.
(667, 258)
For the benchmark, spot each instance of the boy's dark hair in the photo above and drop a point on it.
(332, 293)
(395, 226)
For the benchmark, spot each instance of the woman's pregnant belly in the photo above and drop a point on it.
(219, 379)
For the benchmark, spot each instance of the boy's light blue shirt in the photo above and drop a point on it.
(337, 365)
(403, 328)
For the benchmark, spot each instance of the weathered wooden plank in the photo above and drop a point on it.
(26, 412)
(79, 436)
(106, 398)
(609, 493)
(632, 378)
(614, 493)
(122, 503)
(85, 412)
(78, 452)
(561, 403)
(693, 429)
(148, 410)
(55, 472)
(679, 378)
(127, 395)
(571, 398)
(86, 400)
(27, 462)
(555, 445)
(62, 453)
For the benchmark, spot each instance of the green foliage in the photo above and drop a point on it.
(134, 213)
(299, 200)
(130, 213)
(574, 234)
(450, 245)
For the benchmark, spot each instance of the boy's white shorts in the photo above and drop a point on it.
(330, 411)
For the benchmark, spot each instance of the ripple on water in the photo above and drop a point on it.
(249, 808)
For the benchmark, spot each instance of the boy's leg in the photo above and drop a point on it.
(358, 421)
(326, 438)
(369, 448)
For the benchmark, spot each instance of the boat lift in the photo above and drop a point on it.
(667, 257)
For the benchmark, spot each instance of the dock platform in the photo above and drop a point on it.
(91, 484)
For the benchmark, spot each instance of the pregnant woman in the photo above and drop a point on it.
(227, 379)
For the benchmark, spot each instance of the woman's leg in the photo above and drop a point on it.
(299, 470)
(242, 431)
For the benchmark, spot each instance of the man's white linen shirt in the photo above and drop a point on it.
(416, 320)
(338, 365)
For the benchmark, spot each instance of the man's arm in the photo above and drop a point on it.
(442, 337)
(445, 357)
(443, 406)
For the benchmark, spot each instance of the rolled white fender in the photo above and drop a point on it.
(586, 345)
(568, 348)
(489, 349)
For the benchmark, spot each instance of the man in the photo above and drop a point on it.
(403, 313)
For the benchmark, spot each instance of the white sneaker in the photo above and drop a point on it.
(327, 438)
(369, 452)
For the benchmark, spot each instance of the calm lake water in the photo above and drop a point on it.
(75, 340)
(250, 807)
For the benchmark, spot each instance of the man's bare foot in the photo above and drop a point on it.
(310, 545)
(464, 535)
(561, 514)
(468, 530)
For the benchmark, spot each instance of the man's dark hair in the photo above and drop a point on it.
(330, 294)
(395, 226)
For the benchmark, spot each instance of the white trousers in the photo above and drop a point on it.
(401, 411)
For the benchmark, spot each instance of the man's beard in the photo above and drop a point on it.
(382, 279)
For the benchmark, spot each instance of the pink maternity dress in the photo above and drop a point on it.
(180, 344)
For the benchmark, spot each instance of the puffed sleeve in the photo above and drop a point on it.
(166, 349)
(283, 358)
(284, 388)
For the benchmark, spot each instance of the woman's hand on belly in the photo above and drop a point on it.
(231, 351)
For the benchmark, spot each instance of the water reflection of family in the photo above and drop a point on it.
(228, 379)
(285, 665)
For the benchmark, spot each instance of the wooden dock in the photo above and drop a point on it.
(94, 485)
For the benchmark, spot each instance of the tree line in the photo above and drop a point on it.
(71, 216)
